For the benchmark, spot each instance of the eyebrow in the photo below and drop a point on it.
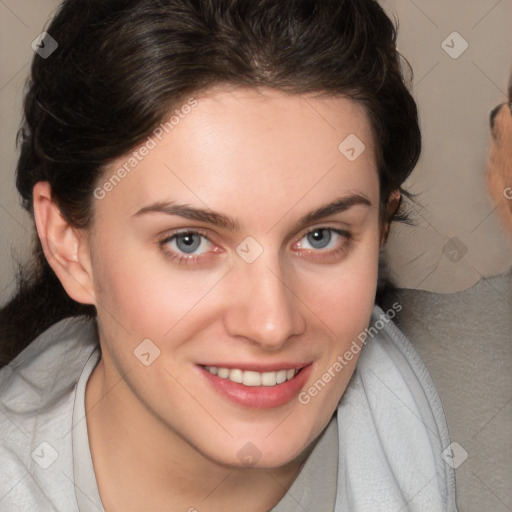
(208, 216)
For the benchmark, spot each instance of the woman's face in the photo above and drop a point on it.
(243, 239)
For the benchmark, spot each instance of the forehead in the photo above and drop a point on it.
(263, 149)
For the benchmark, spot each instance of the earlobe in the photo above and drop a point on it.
(63, 245)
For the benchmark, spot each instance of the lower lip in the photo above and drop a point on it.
(259, 397)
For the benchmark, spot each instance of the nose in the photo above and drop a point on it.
(264, 310)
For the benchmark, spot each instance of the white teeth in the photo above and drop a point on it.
(223, 373)
(250, 378)
(236, 376)
(281, 376)
(269, 378)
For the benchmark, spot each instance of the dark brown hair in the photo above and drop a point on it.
(122, 65)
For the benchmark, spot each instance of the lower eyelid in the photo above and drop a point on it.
(190, 258)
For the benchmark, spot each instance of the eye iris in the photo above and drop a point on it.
(188, 242)
(319, 238)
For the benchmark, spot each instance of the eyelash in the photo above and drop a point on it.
(187, 260)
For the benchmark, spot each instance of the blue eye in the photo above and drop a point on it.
(321, 238)
(186, 243)
(194, 247)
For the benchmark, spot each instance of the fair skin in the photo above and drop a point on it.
(162, 437)
(499, 165)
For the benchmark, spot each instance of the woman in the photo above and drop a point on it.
(211, 183)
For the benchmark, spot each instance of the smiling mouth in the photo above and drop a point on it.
(251, 378)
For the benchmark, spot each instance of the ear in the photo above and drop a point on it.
(392, 206)
(66, 248)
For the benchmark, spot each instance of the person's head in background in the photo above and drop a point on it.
(234, 107)
(499, 166)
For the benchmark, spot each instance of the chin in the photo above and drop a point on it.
(259, 452)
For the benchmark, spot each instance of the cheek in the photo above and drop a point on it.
(345, 293)
(347, 301)
(143, 295)
(133, 287)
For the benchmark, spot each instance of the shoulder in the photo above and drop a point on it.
(493, 294)
(37, 391)
(464, 339)
(392, 428)
(48, 367)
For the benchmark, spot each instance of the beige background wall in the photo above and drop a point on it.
(458, 238)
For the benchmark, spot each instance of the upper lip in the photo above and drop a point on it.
(259, 367)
